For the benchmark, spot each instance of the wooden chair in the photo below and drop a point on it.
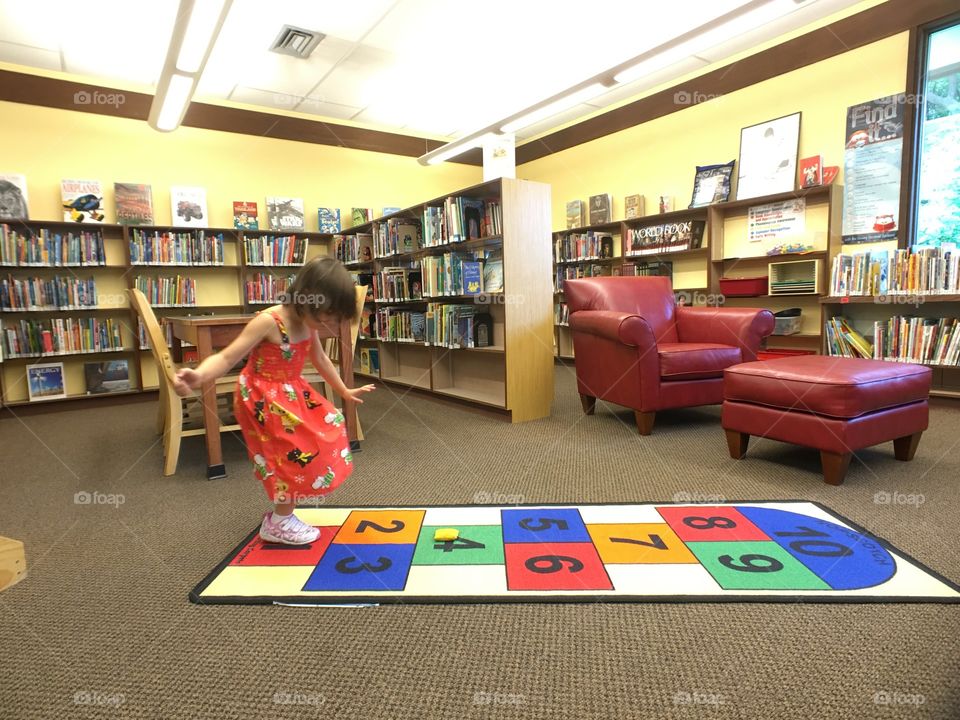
(178, 417)
(331, 346)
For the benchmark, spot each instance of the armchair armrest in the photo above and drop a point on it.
(741, 327)
(626, 328)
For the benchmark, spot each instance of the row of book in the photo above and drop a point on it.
(370, 361)
(582, 246)
(264, 288)
(398, 325)
(352, 249)
(56, 293)
(931, 341)
(456, 273)
(144, 343)
(168, 291)
(575, 272)
(561, 314)
(397, 284)
(275, 250)
(460, 219)
(58, 336)
(178, 248)
(665, 237)
(48, 248)
(926, 270)
(396, 236)
(451, 326)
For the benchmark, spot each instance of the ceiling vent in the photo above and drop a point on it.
(296, 41)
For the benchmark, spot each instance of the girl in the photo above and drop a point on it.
(296, 439)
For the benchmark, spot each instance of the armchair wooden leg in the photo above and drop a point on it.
(737, 443)
(589, 404)
(906, 447)
(644, 421)
(834, 466)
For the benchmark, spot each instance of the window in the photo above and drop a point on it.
(938, 176)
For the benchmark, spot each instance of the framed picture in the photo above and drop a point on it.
(712, 184)
(768, 157)
(45, 381)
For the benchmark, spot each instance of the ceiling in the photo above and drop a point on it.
(440, 68)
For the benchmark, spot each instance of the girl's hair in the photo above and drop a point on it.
(322, 285)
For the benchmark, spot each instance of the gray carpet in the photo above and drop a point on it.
(101, 627)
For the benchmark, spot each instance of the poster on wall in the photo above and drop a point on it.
(779, 227)
(768, 157)
(871, 168)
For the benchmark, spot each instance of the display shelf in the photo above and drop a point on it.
(78, 396)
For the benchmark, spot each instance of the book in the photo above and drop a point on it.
(482, 330)
(245, 215)
(45, 381)
(374, 361)
(601, 209)
(285, 213)
(107, 377)
(575, 214)
(389, 211)
(493, 276)
(13, 197)
(82, 201)
(188, 206)
(666, 203)
(472, 278)
(328, 220)
(360, 216)
(134, 203)
(606, 246)
(365, 360)
(633, 206)
(830, 173)
(811, 171)
(472, 218)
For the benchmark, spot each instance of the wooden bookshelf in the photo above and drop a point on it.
(514, 374)
(733, 256)
(220, 288)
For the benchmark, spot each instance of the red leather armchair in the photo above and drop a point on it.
(634, 346)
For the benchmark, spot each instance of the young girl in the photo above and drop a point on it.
(296, 439)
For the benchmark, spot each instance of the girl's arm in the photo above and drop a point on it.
(218, 364)
(328, 372)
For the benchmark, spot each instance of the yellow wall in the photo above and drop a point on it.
(48, 145)
(659, 157)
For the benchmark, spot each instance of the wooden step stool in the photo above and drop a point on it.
(13, 563)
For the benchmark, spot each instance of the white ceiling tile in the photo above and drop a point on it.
(312, 106)
(29, 56)
(346, 20)
(357, 79)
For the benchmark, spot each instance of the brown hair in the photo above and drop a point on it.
(322, 285)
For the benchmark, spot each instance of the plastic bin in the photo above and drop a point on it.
(744, 287)
(787, 322)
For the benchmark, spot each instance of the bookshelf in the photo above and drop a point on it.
(417, 281)
(733, 255)
(211, 262)
(579, 252)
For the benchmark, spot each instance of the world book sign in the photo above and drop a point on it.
(667, 237)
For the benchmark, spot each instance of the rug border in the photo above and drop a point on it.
(353, 600)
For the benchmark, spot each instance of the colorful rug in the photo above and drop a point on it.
(789, 550)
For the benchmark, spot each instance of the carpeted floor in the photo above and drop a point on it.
(102, 628)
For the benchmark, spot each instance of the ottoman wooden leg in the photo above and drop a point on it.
(589, 404)
(644, 421)
(737, 443)
(906, 447)
(834, 466)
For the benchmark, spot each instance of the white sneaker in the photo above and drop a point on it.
(289, 531)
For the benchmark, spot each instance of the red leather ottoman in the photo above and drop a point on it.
(836, 405)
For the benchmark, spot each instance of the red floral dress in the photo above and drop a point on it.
(296, 439)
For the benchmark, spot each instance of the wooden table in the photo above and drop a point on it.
(214, 332)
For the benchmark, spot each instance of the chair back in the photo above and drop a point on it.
(651, 298)
(331, 344)
(155, 337)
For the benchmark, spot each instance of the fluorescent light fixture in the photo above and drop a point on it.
(204, 18)
(173, 103)
(748, 18)
(452, 149)
(194, 33)
(554, 107)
